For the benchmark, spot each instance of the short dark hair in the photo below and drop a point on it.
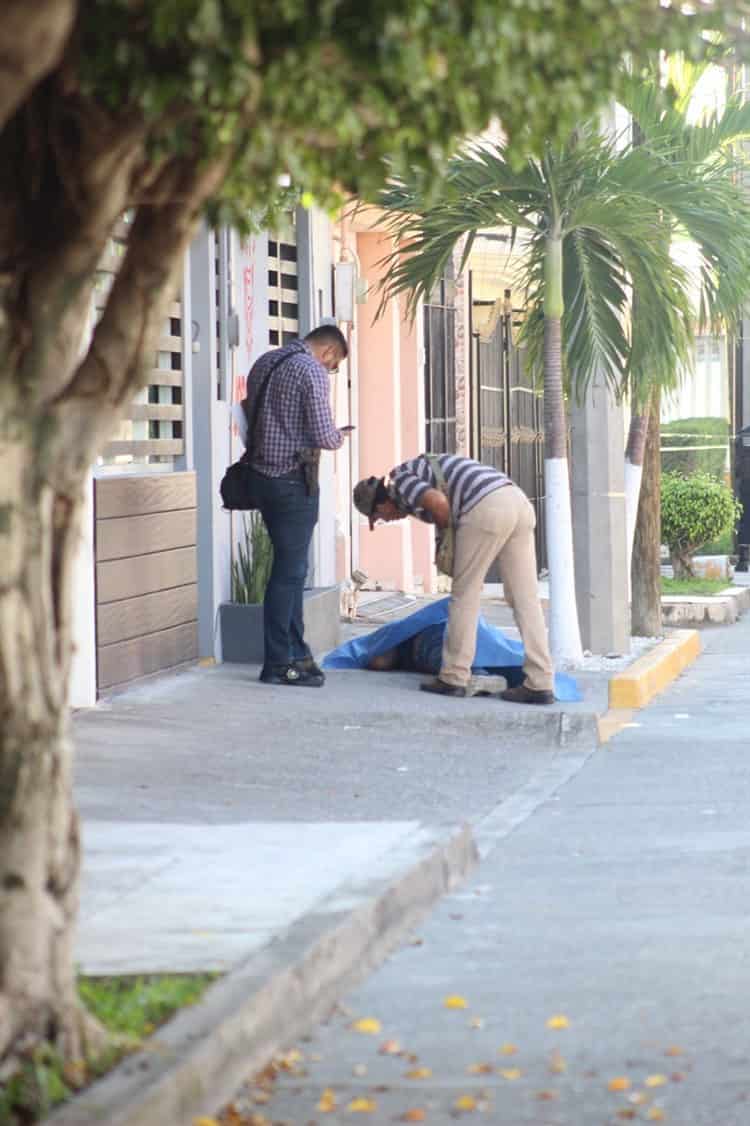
(328, 335)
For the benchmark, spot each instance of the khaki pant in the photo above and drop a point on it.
(500, 527)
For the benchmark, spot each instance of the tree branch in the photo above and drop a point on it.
(33, 40)
(125, 339)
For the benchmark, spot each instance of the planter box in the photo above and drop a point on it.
(242, 626)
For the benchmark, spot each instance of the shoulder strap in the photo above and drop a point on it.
(251, 414)
(437, 469)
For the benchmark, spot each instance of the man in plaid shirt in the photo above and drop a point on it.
(295, 414)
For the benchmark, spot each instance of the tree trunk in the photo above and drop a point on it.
(646, 563)
(564, 630)
(682, 563)
(634, 452)
(39, 838)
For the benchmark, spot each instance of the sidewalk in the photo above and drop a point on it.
(619, 903)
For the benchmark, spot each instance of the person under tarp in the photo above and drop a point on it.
(417, 641)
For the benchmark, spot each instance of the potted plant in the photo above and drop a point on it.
(241, 620)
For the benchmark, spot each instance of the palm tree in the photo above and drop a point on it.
(659, 102)
(592, 220)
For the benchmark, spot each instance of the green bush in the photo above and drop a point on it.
(694, 510)
(695, 432)
(252, 567)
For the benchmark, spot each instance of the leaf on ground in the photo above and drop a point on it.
(510, 1073)
(419, 1073)
(205, 1121)
(327, 1103)
(261, 1097)
(390, 1048)
(627, 1113)
(508, 1049)
(638, 1098)
(416, 1114)
(480, 1069)
(678, 1076)
(369, 1025)
(288, 1060)
(454, 1001)
(655, 1081)
(656, 1114)
(465, 1102)
(557, 1064)
(256, 1120)
(547, 1096)
(558, 1021)
(619, 1083)
(674, 1050)
(362, 1106)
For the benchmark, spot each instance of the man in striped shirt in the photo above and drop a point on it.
(492, 519)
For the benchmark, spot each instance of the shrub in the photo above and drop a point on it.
(252, 567)
(694, 510)
(691, 432)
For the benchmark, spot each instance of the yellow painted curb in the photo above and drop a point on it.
(613, 720)
(651, 673)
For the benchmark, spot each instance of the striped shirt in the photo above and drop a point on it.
(466, 481)
(296, 409)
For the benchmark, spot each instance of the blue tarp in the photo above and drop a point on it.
(494, 650)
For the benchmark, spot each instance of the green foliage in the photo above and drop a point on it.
(694, 510)
(130, 1008)
(327, 91)
(693, 586)
(689, 432)
(252, 567)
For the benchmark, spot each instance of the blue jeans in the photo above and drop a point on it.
(290, 516)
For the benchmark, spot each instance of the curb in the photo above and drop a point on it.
(199, 1059)
(647, 677)
(724, 608)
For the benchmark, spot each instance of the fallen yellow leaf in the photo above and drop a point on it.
(480, 1069)
(455, 1002)
(390, 1048)
(368, 1025)
(557, 1064)
(508, 1049)
(362, 1106)
(416, 1114)
(620, 1083)
(419, 1073)
(655, 1081)
(327, 1102)
(465, 1102)
(558, 1021)
(656, 1114)
(674, 1050)
(510, 1073)
(205, 1122)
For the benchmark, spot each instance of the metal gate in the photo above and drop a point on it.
(440, 369)
(508, 430)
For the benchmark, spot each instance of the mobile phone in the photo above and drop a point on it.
(346, 429)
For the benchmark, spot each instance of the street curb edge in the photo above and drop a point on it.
(637, 685)
(200, 1058)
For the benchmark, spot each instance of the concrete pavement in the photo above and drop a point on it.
(620, 902)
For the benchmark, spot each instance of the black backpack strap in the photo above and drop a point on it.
(251, 414)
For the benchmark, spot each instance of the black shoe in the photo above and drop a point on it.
(289, 674)
(522, 694)
(441, 688)
(308, 667)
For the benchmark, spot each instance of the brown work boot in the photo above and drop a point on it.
(522, 694)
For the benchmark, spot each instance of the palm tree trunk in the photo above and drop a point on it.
(646, 562)
(565, 634)
(634, 452)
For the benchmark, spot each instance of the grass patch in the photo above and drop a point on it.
(694, 586)
(131, 1008)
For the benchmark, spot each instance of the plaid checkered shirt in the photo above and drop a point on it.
(296, 411)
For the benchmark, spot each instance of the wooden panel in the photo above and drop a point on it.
(141, 493)
(127, 578)
(150, 613)
(155, 411)
(165, 377)
(149, 447)
(127, 660)
(136, 535)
